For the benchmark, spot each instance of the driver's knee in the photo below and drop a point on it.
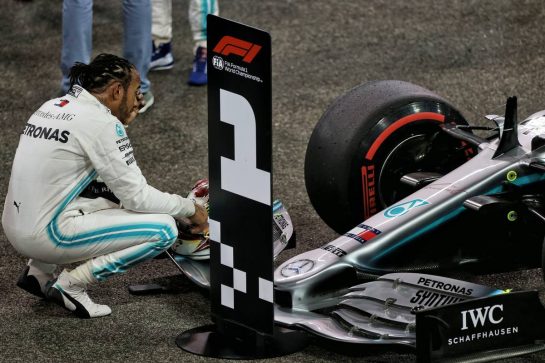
(167, 233)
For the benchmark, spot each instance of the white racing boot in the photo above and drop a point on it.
(70, 293)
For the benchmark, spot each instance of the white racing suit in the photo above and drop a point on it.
(57, 212)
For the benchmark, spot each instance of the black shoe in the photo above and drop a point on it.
(30, 283)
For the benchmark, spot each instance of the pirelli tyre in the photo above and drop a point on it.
(368, 139)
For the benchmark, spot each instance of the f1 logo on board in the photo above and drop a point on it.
(481, 315)
(231, 45)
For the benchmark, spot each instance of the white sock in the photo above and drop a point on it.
(37, 267)
(43, 272)
(200, 43)
(83, 273)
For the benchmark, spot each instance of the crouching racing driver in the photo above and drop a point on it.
(76, 193)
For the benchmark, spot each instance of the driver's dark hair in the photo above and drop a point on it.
(98, 74)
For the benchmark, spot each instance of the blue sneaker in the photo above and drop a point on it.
(161, 57)
(198, 76)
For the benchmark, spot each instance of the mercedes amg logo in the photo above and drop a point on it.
(297, 268)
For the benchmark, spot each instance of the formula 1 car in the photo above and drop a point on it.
(433, 197)
(398, 171)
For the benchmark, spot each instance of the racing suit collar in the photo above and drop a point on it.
(82, 94)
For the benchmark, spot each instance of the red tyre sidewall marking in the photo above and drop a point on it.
(369, 196)
(368, 171)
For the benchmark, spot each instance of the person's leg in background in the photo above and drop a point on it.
(137, 42)
(161, 32)
(198, 10)
(77, 36)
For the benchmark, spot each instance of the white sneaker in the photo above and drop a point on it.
(165, 62)
(161, 57)
(70, 293)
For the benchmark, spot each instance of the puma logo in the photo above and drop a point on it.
(17, 206)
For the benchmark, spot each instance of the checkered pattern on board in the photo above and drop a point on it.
(239, 276)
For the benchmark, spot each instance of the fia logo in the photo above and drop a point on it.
(479, 316)
(218, 63)
(401, 209)
(75, 91)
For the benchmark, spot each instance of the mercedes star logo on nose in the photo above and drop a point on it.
(297, 268)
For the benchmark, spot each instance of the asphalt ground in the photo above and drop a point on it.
(474, 53)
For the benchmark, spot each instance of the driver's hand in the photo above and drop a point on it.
(132, 116)
(199, 220)
(140, 100)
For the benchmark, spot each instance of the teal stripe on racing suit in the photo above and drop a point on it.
(102, 234)
(138, 230)
(122, 264)
(204, 13)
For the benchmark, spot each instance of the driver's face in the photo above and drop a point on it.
(130, 103)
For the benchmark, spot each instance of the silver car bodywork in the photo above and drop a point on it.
(302, 281)
(381, 311)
